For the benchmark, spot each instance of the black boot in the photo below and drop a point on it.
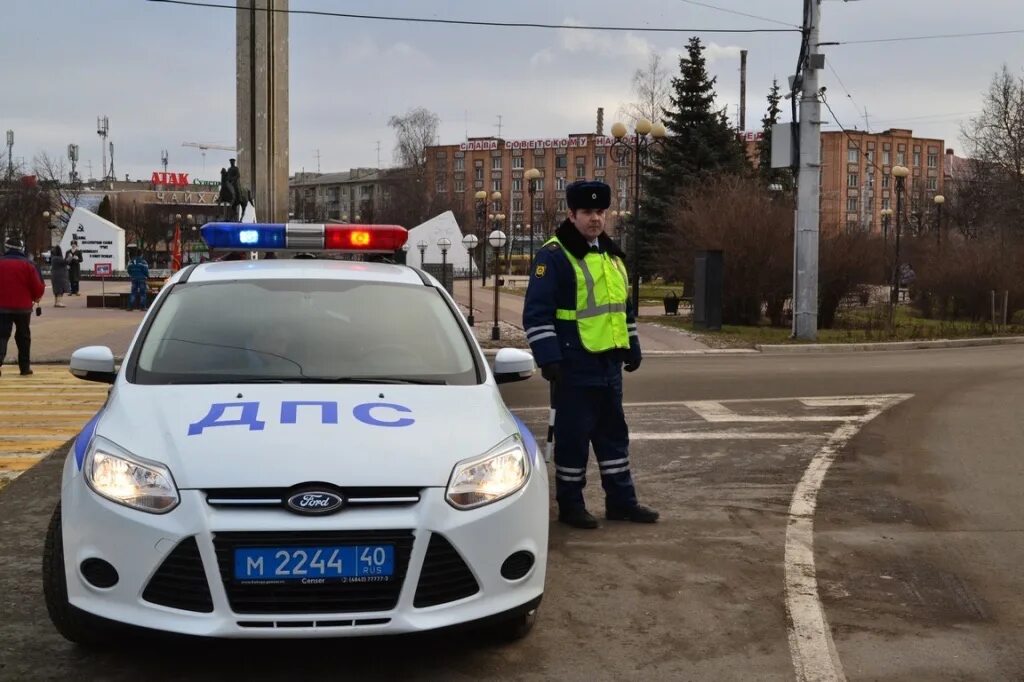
(637, 514)
(577, 518)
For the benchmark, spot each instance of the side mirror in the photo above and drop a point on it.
(94, 363)
(513, 364)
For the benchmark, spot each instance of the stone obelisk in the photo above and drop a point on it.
(262, 105)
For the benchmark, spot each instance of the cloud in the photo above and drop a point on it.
(542, 58)
(607, 43)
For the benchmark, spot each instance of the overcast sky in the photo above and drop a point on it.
(165, 74)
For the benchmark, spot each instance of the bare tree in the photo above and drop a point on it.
(414, 132)
(996, 136)
(652, 88)
(739, 216)
(51, 172)
(995, 139)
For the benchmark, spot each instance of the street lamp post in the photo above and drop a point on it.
(496, 217)
(499, 218)
(530, 176)
(886, 216)
(405, 253)
(900, 173)
(939, 201)
(497, 240)
(444, 244)
(481, 228)
(422, 246)
(646, 136)
(470, 241)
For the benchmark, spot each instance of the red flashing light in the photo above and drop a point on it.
(364, 237)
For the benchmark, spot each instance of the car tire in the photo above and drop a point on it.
(73, 623)
(516, 627)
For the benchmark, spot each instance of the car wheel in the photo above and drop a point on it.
(73, 623)
(516, 627)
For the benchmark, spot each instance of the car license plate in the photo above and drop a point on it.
(315, 565)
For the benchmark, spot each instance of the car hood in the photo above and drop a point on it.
(231, 436)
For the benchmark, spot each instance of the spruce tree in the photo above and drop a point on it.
(700, 144)
(769, 175)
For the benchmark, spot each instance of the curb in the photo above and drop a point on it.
(887, 346)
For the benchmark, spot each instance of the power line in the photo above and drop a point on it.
(500, 24)
(941, 36)
(938, 117)
(738, 13)
(841, 83)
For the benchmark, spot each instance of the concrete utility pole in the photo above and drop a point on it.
(805, 291)
(262, 104)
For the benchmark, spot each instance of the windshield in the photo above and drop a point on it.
(304, 331)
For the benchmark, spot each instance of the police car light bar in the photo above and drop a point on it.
(303, 237)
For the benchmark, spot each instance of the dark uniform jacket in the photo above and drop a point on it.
(552, 286)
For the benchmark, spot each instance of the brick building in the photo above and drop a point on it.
(856, 180)
(458, 171)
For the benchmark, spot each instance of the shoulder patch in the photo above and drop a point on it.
(541, 269)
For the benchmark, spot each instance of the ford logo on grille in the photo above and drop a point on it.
(315, 502)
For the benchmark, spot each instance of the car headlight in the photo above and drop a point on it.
(489, 477)
(133, 482)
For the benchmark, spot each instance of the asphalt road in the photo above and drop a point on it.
(914, 567)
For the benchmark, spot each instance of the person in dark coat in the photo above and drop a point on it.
(59, 276)
(21, 287)
(582, 331)
(74, 259)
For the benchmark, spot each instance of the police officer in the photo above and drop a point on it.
(582, 331)
(21, 286)
(138, 272)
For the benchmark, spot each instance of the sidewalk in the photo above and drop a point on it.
(653, 337)
(58, 332)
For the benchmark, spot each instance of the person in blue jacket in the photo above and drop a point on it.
(138, 272)
(582, 331)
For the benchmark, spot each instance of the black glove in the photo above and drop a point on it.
(39, 311)
(632, 365)
(552, 371)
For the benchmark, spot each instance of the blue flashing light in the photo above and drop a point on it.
(244, 236)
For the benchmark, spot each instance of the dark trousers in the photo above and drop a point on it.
(22, 336)
(592, 415)
(138, 294)
(74, 286)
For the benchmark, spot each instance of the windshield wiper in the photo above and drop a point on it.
(370, 380)
(310, 380)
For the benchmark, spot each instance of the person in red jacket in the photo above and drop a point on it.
(21, 287)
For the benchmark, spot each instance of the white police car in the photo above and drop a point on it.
(299, 448)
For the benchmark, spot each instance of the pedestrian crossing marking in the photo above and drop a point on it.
(40, 413)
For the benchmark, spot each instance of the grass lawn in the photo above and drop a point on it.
(855, 325)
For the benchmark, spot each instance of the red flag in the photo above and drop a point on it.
(176, 250)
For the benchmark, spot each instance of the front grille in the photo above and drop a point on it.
(180, 582)
(445, 576)
(312, 623)
(355, 496)
(326, 598)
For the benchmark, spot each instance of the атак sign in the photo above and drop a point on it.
(173, 179)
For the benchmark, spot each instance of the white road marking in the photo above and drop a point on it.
(722, 435)
(810, 641)
(867, 400)
(842, 402)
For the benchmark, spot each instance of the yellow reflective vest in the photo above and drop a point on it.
(601, 291)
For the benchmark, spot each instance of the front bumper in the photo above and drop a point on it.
(138, 544)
